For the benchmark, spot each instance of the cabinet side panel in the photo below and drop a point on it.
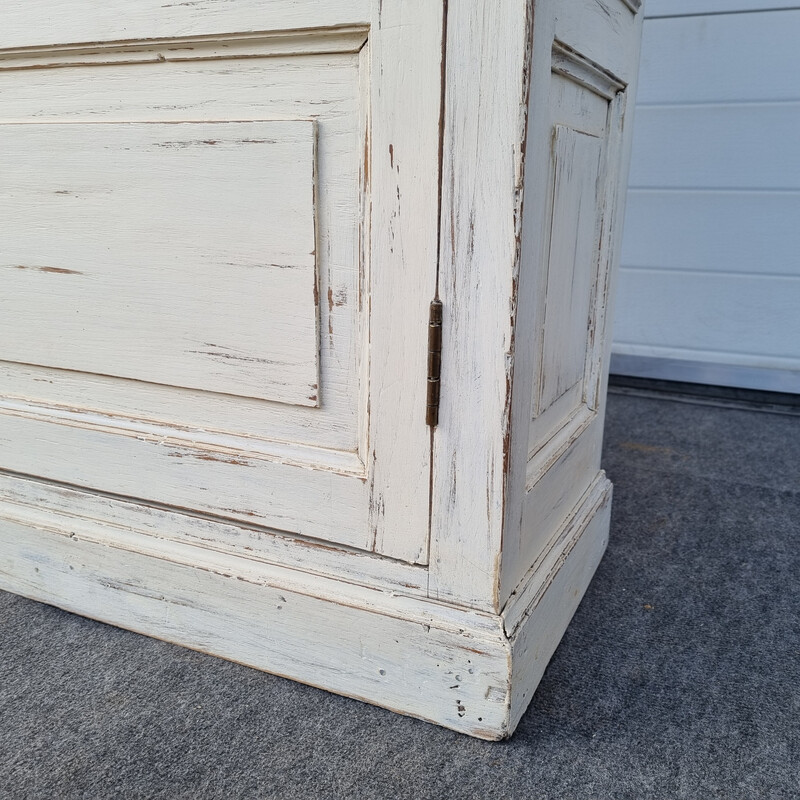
(576, 170)
(576, 160)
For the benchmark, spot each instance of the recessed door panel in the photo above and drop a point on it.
(181, 254)
(571, 266)
(572, 249)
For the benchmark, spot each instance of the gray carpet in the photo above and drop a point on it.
(678, 678)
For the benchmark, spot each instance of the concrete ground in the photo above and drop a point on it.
(678, 678)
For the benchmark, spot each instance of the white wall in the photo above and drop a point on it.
(709, 289)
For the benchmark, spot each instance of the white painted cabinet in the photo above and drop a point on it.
(231, 234)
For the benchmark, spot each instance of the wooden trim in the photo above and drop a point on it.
(223, 444)
(608, 256)
(545, 455)
(540, 613)
(188, 48)
(571, 64)
(149, 527)
(488, 54)
(524, 599)
(448, 665)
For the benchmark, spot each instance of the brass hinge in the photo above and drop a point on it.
(434, 362)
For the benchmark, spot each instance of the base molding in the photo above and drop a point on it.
(472, 671)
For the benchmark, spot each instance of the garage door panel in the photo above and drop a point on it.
(713, 231)
(686, 315)
(675, 8)
(718, 147)
(710, 285)
(721, 57)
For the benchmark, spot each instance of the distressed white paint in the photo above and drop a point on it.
(327, 459)
(342, 544)
(102, 514)
(409, 660)
(570, 229)
(710, 279)
(192, 241)
(447, 665)
(481, 196)
(188, 48)
(571, 263)
(35, 23)
(323, 87)
(401, 190)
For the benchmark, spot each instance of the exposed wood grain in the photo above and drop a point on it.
(182, 48)
(319, 86)
(367, 316)
(571, 64)
(102, 515)
(423, 666)
(233, 482)
(572, 271)
(446, 665)
(604, 31)
(550, 599)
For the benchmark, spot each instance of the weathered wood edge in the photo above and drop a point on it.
(526, 597)
(104, 513)
(549, 600)
(488, 56)
(569, 62)
(445, 665)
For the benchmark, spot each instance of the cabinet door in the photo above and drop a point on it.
(218, 244)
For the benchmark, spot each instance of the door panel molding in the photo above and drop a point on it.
(353, 445)
(188, 48)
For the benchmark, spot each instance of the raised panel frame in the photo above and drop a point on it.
(379, 503)
(570, 412)
(592, 46)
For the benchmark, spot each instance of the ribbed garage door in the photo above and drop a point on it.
(709, 289)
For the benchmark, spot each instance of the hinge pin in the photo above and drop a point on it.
(434, 362)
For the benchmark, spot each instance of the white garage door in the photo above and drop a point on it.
(709, 288)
